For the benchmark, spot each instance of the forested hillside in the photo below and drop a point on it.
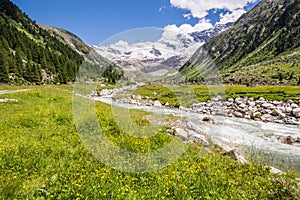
(29, 54)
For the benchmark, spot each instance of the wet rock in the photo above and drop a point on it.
(208, 119)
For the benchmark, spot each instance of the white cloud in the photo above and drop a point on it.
(187, 28)
(171, 31)
(231, 17)
(187, 16)
(199, 8)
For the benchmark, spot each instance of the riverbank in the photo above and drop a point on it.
(243, 122)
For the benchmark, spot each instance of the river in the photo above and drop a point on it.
(252, 137)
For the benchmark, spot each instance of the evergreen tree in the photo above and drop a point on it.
(4, 77)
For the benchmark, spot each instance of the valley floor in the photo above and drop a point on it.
(43, 157)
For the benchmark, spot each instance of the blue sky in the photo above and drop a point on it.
(96, 20)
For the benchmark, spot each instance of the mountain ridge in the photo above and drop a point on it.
(267, 36)
(68, 38)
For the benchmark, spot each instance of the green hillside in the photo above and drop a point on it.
(31, 55)
(263, 47)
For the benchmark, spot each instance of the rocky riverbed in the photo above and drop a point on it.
(283, 112)
(260, 110)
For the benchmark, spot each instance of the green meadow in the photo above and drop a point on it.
(43, 157)
(188, 94)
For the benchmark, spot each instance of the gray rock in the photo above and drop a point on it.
(278, 113)
(137, 96)
(198, 138)
(238, 102)
(266, 117)
(230, 100)
(227, 103)
(296, 112)
(293, 122)
(247, 117)
(237, 114)
(251, 103)
(242, 105)
(229, 115)
(277, 102)
(256, 115)
(181, 133)
(8, 100)
(279, 121)
(288, 109)
(236, 155)
(293, 105)
(267, 105)
(276, 171)
(157, 103)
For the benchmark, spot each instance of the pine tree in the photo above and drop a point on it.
(4, 77)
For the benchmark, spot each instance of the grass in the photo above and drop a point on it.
(186, 95)
(271, 74)
(43, 157)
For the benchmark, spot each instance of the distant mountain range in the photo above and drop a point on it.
(263, 47)
(160, 57)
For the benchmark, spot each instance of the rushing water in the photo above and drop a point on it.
(254, 137)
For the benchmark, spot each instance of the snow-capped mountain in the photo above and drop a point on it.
(204, 36)
(157, 58)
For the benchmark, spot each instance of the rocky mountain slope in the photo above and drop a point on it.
(31, 55)
(68, 38)
(263, 47)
